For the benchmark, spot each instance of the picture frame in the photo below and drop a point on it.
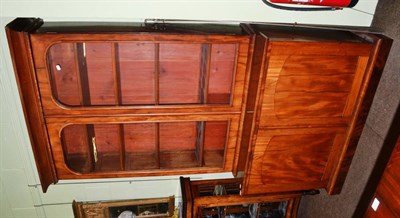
(156, 207)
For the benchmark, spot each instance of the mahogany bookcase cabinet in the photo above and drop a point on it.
(285, 105)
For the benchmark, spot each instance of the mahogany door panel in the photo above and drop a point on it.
(292, 159)
(312, 87)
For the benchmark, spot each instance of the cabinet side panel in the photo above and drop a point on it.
(23, 65)
(375, 67)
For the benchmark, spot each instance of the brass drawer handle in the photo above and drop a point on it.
(94, 149)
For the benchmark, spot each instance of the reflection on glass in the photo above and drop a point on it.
(254, 210)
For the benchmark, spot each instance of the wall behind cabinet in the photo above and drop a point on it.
(20, 195)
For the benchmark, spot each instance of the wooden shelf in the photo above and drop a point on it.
(108, 162)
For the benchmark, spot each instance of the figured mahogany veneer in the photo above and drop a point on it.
(286, 106)
(313, 100)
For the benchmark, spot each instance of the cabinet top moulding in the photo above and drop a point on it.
(38, 26)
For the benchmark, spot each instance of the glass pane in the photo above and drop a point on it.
(178, 145)
(273, 209)
(144, 146)
(137, 70)
(92, 148)
(76, 148)
(251, 210)
(138, 73)
(223, 57)
(179, 74)
(224, 188)
(63, 73)
(140, 146)
(155, 210)
(100, 78)
(214, 143)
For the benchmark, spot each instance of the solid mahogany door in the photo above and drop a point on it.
(312, 90)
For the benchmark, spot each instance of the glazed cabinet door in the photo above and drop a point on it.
(312, 93)
(86, 149)
(134, 94)
(126, 99)
(133, 74)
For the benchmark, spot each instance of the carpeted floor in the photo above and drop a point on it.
(387, 98)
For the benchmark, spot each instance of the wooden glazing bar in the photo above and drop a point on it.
(200, 143)
(157, 145)
(204, 72)
(122, 146)
(157, 74)
(118, 101)
(204, 81)
(83, 80)
(82, 71)
(116, 74)
(157, 100)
